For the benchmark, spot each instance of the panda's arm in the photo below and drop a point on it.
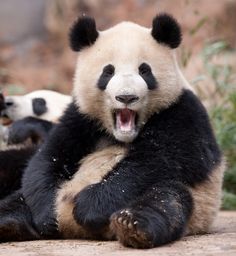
(29, 128)
(55, 162)
(177, 146)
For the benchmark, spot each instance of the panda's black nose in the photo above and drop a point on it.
(127, 99)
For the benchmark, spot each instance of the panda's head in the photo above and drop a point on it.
(44, 104)
(126, 73)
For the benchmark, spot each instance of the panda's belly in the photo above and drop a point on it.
(92, 169)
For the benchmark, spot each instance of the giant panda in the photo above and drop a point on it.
(133, 158)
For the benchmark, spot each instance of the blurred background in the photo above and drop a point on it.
(34, 52)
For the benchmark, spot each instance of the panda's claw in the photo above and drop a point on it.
(130, 226)
(127, 230)
(125, 223)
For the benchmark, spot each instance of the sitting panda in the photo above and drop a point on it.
(133, 158)
(33, 116)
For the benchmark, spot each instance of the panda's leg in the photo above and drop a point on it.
(158, 217)
(16, 222)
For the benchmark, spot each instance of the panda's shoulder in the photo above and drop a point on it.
(187, 106)
(188, 101)
(74, 117)
(74, 126)
(187, 117)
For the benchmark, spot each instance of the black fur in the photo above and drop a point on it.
(39, 106)
(107, 73)
(161, 215)
(12, 164)
(27, 128)
(145, 72)
(2, 103)
(166, 30)
(16, 222)
(175, 150)
(83, 33)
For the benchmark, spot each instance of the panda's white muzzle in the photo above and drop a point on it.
(125, 118)
(127, 96)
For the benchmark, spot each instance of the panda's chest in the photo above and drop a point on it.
(102, 143)
(94, 166)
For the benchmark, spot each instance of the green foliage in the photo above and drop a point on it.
(14, 89)
(223, 114)
(198, 26)
(229, 201)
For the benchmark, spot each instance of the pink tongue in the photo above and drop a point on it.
(125, 120)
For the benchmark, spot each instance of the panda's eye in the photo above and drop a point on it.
(107, 73)
(145, 72)
(109, 70)
(144, 69)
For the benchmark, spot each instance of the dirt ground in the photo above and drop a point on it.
(222, 241)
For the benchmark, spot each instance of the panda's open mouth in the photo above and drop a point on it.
(125, 120)
(5, 119)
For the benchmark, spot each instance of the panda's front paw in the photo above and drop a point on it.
(132, 228)
(18, 132)
(89, 210)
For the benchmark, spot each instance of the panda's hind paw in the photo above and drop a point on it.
(125, 224)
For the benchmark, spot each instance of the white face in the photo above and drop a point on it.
(126, 112)
(18, 107)
(124, 78)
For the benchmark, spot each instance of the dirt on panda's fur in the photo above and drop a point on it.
(222, 241)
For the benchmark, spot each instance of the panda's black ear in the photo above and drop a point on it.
(83, 33)
(166, 30)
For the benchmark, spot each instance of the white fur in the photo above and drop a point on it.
(56, 104)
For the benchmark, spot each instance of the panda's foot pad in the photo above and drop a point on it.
(128, 231)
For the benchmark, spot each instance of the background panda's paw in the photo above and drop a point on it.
(131, 229)
(19, 132)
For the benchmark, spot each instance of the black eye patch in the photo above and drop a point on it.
(107, 73)
(145, 72)
(39, 106)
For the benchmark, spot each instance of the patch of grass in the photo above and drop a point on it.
(229, 201)
(14, 89)
(198, 26)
